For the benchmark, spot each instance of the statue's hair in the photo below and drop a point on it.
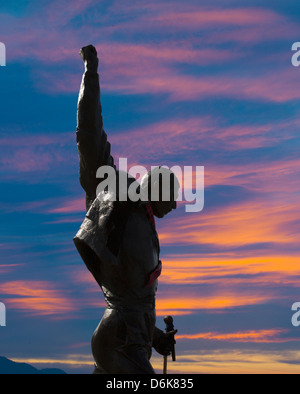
(157, 184)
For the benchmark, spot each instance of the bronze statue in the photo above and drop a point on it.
(119, 244)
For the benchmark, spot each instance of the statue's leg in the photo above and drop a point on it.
(112, 353)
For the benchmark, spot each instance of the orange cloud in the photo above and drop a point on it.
(258, 270)
(36, 297)
(245, 223)
(229, 361)
(257, 336)
(233, 361)
(181, 304)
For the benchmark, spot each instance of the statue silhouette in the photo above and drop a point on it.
(118, 243)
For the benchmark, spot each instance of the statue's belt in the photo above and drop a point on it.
(134, 305)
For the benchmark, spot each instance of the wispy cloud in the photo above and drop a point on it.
(190, 301)
(178, 87)
(256, 336)
(265, 87)
(34, 153)
(231, 270)
(229, 361)
(153, 69)
(210, 21)
(235, 225)
(233, 361)
(70, 206)
(167, 138)
(36, 298)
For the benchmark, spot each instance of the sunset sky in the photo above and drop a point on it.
(186, 83)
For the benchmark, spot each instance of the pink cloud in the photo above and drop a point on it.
(35, 152)
(7, 268)
(72, 206)
(264, 87)
(159, 17)
(181, 135)
(278, 86)
(147, 68)
(130, 68)
(144, 57)
(159, 139)
(26, 161)
(199, 16)
(278, 177)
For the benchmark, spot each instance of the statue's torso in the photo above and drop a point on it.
(125, 284)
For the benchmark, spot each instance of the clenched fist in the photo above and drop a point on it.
(90, 58)
(164, 342)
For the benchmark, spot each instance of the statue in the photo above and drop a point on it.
(118, 243)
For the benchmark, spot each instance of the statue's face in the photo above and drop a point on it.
(162, 208)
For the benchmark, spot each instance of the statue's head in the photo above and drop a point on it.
(161, 186)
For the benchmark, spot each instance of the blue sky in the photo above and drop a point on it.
(181, 84)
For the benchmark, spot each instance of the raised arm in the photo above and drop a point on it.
(93, 147)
